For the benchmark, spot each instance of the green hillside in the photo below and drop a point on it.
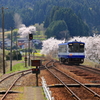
(35, 11)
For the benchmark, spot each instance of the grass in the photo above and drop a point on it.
(18, 67)
(20, 95)
(38, 54)
(44, 94)
(40, 37)
(21, 66)
(89, 63)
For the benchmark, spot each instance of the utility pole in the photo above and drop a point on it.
(16, 47)
(11, 52)
(25, 55)
(3, 39)
(29, 52)
(25, 58)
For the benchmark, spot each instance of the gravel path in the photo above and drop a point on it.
(33, 93)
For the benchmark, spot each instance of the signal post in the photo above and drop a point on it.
(30, 38)
(25, 61)
(36, 70)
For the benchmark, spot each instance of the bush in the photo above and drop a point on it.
(16, 55)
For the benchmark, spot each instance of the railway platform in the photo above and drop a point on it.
(33, 93)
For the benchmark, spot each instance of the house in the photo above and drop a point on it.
(22, 40)
(7, 43)
(23, 43)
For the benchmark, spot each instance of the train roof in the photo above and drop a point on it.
(66, 43)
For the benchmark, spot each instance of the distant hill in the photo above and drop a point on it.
(35, 11)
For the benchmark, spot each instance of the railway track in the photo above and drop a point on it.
(90, 69)
(12, 74)
(88, 73)
(76, 92)
(15, 77)
(93, 70)
(72, 87)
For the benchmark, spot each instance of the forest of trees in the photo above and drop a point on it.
(36, 11)
(63, 22)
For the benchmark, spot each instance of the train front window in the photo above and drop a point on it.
(71, 47)
(81, 47)
(76, 47)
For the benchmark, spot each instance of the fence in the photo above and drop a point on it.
(47, 92)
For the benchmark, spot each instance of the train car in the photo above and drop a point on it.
(71, 52)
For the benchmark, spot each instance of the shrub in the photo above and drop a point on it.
(16, 55)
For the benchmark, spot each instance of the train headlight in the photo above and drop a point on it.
(70, 54)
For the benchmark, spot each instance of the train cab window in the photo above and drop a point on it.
(71, 47)
(81, 48)
(76, 47)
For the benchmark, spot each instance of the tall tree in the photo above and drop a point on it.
(76, 26)
(56, 29)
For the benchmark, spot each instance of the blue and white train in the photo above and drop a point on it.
(71, 52)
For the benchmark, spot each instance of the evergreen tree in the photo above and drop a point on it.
(76, 26)
(55, 29)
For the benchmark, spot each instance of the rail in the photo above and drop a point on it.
(3, 97)
(46, 90)
(73, 94)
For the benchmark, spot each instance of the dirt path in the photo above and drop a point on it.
(33, 93)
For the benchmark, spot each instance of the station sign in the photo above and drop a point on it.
(36, 62)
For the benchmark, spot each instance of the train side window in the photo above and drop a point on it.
(62, 48)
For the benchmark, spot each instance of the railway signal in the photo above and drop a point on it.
(30, 36)
(36, 70)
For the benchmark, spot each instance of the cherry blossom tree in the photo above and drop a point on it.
(92, 46)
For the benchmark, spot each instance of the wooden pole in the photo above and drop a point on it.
(36, 77)
(11, 52)
(3, 40)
